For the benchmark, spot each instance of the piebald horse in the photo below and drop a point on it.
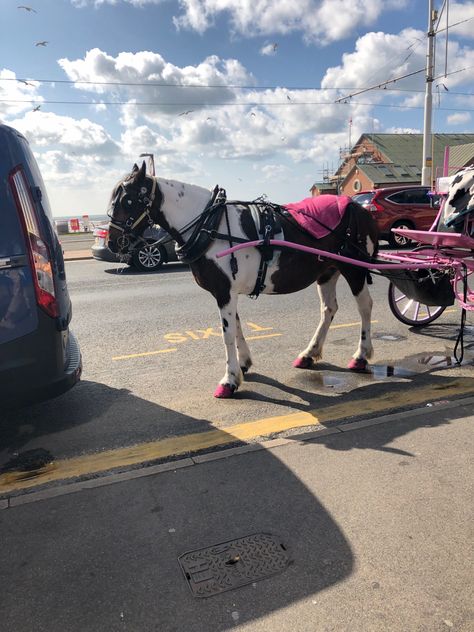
(139, 200)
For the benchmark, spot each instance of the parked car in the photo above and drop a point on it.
(39, 355)
(412, 207)
(145, 257)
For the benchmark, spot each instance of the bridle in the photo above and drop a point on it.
(140, 205)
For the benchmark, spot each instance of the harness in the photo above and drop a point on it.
(142, 204)
(205, 232)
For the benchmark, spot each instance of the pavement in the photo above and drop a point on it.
(372, 522)
(77, 255)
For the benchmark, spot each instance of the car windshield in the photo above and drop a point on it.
(363, 198)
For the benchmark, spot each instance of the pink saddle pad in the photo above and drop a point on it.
(319, 215)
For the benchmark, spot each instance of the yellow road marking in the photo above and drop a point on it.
(185, 444)
(263, 336)
(350, 325)
(150, 353)
(140, 355)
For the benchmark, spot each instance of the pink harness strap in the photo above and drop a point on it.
(319, 215)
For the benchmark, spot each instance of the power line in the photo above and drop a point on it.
(231, 104)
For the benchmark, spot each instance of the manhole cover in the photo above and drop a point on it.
(226, 566)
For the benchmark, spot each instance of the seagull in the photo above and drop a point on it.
(288, 97)
(43, 43)
(252, 114)
(186, 113)
(36, 108)
(274, 46)
(22, 6)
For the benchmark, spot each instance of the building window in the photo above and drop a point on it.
(356, 185)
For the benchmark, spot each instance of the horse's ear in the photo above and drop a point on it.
(142, 172)
(134, 169)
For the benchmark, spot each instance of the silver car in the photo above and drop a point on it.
(146, 257)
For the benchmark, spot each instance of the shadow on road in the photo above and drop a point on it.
(78, 561)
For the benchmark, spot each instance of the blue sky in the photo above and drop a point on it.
(257, 114)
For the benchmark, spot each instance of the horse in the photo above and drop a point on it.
(202, 226)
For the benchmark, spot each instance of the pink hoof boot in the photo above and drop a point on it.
(303, 363)
(224, 391)
(359, 365)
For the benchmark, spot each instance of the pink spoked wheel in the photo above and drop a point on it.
(412, 312)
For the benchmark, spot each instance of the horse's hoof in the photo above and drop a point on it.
(224, 391)
(360, 365)
(303, 363)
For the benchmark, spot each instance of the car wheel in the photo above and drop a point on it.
(399, 241)
(149, 257)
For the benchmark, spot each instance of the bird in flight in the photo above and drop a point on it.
(25, 82)
(185, 113)
(43, 43)
(22, 6)
(36, 108)
(274, 46)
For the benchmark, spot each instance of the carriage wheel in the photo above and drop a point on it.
(411, 312)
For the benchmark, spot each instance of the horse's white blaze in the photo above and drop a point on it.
(370, 246)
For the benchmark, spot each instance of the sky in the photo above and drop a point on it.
(239, 93)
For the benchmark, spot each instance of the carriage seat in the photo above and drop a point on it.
(437, 239)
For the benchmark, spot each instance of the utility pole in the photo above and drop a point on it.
(427, 164)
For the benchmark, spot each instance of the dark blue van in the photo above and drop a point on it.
(39, 355)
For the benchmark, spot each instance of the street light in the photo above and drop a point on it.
(427, 162)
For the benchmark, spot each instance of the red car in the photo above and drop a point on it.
(406, 206)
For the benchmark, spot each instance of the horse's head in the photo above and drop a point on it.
(132, 208)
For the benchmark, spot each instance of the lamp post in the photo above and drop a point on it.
(427, 163)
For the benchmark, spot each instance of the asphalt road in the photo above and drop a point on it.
(153, 354)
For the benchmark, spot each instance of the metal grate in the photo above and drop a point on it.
(232, 564)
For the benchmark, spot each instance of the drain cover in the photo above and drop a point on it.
(226, 566)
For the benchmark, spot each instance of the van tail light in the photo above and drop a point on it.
(101, 232)
(40, 258)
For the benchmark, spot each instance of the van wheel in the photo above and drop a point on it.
(149, 257)
(399, 241)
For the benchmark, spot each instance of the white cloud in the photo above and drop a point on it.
(76, 137)
(157, 82)
(16, 96)
(320, 21)
(462, 12)
(269, 49)
(403, 130)
(459, 118)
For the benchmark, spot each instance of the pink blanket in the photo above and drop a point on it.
(328, 209)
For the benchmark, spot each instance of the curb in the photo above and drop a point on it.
(200, 459)
(78, 256)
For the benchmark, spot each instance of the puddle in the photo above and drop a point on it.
(425, 362)
(339, 382)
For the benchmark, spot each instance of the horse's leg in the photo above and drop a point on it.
(233, 376)
(245, 360)
(365, 349)
(328, 305)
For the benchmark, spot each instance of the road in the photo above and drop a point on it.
(153, 354)
(79, 241)
(375, 514)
